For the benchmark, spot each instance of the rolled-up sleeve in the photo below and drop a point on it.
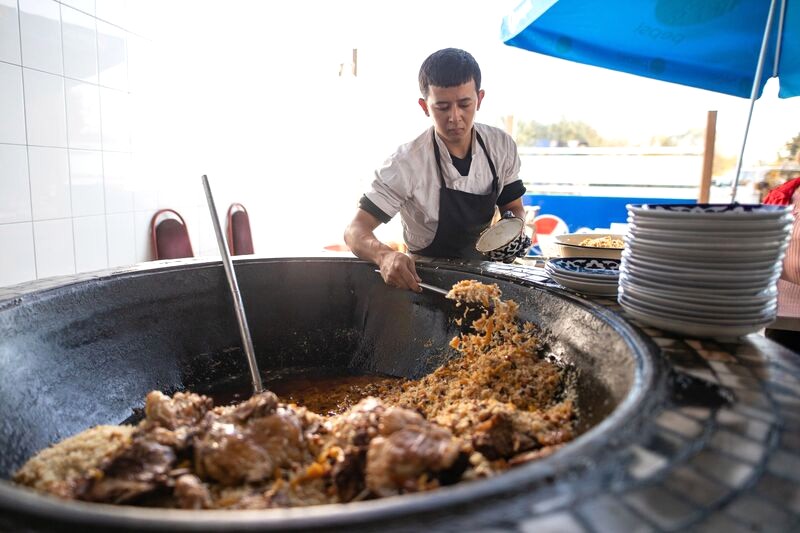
(513, 187)
(511, 192)
(509, 170)
(391, 188)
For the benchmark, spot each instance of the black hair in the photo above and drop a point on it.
(448, 68)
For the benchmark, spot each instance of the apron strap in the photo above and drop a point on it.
(438, 155)
(495, 179)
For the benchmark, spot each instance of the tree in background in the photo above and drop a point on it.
(723, 164)
(784, 167)
(575, 132)
(562, 133)
(793, 147)
(691, 137)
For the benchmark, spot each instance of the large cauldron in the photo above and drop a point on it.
(87, 350)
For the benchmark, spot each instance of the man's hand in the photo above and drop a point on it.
(516, 210)
(398, 270)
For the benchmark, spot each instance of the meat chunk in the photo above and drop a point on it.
(351, 433)
(407, 448)
(250, 442)
(533, 455)
(494, 437)
(168, 428)
(140, 469)
(173, 421)
(359, 425)
(191, 493)
(348, 473)
(182, 409)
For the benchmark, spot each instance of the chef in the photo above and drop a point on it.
(447, 183)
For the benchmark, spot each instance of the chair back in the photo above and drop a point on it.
(170, 236)
(240, 240)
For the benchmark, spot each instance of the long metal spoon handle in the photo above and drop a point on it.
(244, 331)
(426, 286)
(433, 288)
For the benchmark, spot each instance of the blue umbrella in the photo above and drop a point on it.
(727, 46)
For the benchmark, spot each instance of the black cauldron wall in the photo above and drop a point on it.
(87, 350)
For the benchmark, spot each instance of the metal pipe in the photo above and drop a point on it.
(779, 40)
(244, 331)
(754, 91)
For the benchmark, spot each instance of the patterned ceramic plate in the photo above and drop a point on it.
(588, 266)
(675, 313)
(734, 210)
(600, 288)
(700, 309)
(701, 291)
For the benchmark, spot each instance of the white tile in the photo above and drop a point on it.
(113, 11)
(205, 242)
(145, 195)
(50, 191)
(145, 185)
(143, 237)
(45, 111)
(83, 115)
(139, 17)
(21, 265)
(80, 45)
(112, 56)
(117, 180)
(91, 250)
(87, 6)
(40, 26)
(12, 107)
(115, 120)
(86, 183)
(143, 114)
(9, 32)
(55, 255)
(141, 64)
(121, 239)
(15, 194)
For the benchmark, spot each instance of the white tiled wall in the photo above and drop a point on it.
(68, 199)
(100, 127)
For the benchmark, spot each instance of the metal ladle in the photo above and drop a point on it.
(244, 331)
(433, 288)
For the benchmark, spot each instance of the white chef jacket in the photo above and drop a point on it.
(408, 181)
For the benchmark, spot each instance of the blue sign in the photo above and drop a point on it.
(591, 211)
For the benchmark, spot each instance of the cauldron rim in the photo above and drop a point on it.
(576, 454)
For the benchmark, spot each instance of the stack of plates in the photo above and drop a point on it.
(589, 275)
(706, 270)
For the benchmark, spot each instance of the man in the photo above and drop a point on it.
(446, 183)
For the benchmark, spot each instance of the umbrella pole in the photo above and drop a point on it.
(754, 92)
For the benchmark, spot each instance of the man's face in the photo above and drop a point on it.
(453, 110)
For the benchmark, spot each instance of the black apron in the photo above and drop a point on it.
(462, 215)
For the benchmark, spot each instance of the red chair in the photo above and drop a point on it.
(240, 240)
(170, 237)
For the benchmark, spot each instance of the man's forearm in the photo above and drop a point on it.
(365, 245)
(515, 207)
